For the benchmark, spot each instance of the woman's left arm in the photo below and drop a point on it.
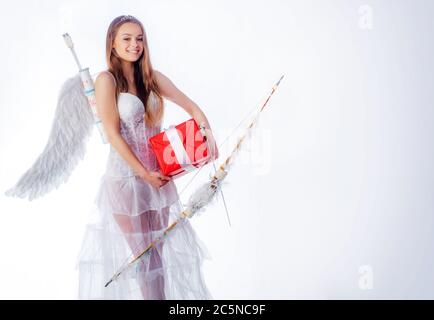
(172, 93)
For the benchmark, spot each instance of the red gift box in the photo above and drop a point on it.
(180, 149)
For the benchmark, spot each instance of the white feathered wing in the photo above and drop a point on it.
(71, 128)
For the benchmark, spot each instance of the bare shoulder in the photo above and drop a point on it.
(105, 93)
(157, 73)
(171, 92)
(163, 82)
(160, 77)
(105, 82)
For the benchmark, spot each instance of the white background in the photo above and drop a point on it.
(331, 199)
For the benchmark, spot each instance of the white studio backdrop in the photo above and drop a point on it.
(331, 199)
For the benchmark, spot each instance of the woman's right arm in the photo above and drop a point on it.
(109, 115)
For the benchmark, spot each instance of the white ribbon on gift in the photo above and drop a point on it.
(178, 148)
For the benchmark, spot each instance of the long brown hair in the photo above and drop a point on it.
(143, 73)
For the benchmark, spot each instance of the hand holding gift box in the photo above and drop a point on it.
(183, 148)
(211, 143)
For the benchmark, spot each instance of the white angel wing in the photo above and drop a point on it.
(66, 146)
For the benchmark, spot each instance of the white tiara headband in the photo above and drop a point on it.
(127, 17)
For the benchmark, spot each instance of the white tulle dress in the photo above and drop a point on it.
(128, 214)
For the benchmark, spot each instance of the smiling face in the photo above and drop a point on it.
(128, 42)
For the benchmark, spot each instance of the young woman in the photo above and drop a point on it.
(135, 202)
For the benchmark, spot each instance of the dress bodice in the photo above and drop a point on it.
(130, 108)
(135, 132)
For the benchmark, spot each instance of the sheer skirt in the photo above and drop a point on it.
(124, 224)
